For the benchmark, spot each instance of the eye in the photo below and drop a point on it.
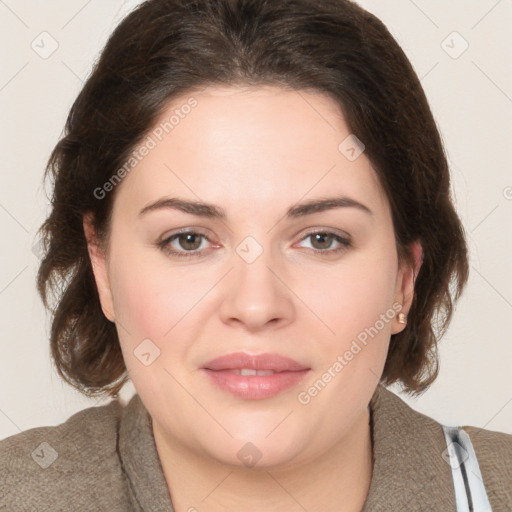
(188, 241)
(187, 244)
(322, 241)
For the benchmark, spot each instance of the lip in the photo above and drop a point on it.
(238, 360)
(288, 373)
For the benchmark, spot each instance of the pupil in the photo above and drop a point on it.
(318, 237)
(187, 238)
(323, 237)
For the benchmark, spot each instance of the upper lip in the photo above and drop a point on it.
(239, 360)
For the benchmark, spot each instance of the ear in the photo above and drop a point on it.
(99, 267)
(406, 278)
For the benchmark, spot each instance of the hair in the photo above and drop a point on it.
(166, 48)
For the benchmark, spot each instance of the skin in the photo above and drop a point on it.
(255, 152)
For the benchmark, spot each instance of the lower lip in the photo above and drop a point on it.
(255, 387)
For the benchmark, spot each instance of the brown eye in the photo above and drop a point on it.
(322, 240)
(186, 244)
(325, 242)
(189, 241)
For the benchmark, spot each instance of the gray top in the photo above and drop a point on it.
(105, 459)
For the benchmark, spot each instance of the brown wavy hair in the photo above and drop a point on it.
(165, 48)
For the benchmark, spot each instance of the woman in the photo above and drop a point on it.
(252, 221)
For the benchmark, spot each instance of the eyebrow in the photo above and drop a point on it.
(212, 211)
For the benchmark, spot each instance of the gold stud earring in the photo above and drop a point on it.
(402, 318)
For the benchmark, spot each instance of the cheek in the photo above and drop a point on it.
(155, 302)
(357, 308)
(148, 303)
(353, 296)
(150, 298)
(138, 302)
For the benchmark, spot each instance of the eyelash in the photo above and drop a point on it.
(164, 244)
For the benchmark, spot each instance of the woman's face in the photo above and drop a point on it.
(256, 280)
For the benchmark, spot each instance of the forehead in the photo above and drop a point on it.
(249, 147)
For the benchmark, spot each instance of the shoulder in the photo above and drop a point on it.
(494, 453)
(422, 434)
(51, 467)
(490, 443)
(492, 447)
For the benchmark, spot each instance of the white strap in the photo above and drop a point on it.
(470, 493)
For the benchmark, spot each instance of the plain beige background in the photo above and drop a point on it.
(460, 49)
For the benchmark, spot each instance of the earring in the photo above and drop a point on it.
(402, 318)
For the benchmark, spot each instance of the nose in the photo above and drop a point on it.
(257, 294)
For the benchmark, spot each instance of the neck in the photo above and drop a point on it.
(337, 480)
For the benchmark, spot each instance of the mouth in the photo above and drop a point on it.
(242, 361)
(249, 371)
(255, 377)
